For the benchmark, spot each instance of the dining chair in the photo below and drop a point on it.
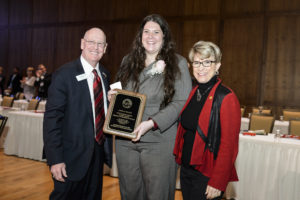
(289, 114)
(294, 128)
(243, 108)
(262, 122)
(3, 120)
(21, 96)
(7, 101)
(33, 104)
(261, 110)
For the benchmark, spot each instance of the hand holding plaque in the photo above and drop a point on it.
(124, 113)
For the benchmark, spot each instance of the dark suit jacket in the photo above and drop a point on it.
(16, 85)
(42, 85)
(68, 121)
(2, 82)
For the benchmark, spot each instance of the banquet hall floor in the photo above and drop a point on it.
(30, 180)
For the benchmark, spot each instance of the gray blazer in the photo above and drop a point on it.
(166, 119)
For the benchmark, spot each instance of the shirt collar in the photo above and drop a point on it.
(87, 67)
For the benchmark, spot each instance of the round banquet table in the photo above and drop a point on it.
(268, 169)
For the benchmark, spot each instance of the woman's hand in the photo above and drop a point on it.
(142, 129)
(212, 192)
(110, 93)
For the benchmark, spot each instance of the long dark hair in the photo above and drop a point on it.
(134, 63)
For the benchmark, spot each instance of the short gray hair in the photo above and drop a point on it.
(205, 49)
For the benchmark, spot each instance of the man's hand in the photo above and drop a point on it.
(38, 73)
(58, 171)
(142, 129)
(212, 192)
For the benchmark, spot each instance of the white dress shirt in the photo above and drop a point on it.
(88, 70)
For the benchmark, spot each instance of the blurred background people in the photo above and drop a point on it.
(146, 165)
(208, 132)
(42, 82)
(27, 83)
(13, 84)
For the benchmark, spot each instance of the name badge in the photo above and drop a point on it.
(81, 77)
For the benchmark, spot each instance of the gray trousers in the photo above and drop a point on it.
(147, 171)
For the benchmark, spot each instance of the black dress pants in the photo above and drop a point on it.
(89, 188)
(193, 184)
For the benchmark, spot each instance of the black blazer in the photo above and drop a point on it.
(16, 84)
(2, 82)
(68, 121)
(42, 85)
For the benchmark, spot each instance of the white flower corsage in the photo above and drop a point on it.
(157, 68)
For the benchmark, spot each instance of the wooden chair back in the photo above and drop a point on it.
(262, 122)
(242, 111)
(3, 120)
(289, 114)
(7, 101)
(33, 104)
(257, 110)
(21, 96)
(294, 128)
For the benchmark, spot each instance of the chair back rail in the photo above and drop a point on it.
(262, 122)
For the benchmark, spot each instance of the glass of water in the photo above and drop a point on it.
(277, 135)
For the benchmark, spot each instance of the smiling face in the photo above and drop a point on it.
(201, 73)
(152, 38)
(29, 71)
(42, 68)
(93, 46)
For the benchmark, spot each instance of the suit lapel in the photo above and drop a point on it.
(104, 78)
(84, 89)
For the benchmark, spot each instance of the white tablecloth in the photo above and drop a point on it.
(4, 111)
(282, 126)
(22, 104)
(244, 123)
(42, 105)
(24, 137)
(267, 169)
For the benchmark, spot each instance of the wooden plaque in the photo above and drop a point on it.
(124, 113)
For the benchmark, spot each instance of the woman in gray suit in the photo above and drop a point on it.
(146, 165)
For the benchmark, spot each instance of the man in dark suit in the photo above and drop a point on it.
(2, 80)
(42, 82)
(71, 123)
(13, 84)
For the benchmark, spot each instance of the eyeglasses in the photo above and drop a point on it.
(93, 43)
(206, 63)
